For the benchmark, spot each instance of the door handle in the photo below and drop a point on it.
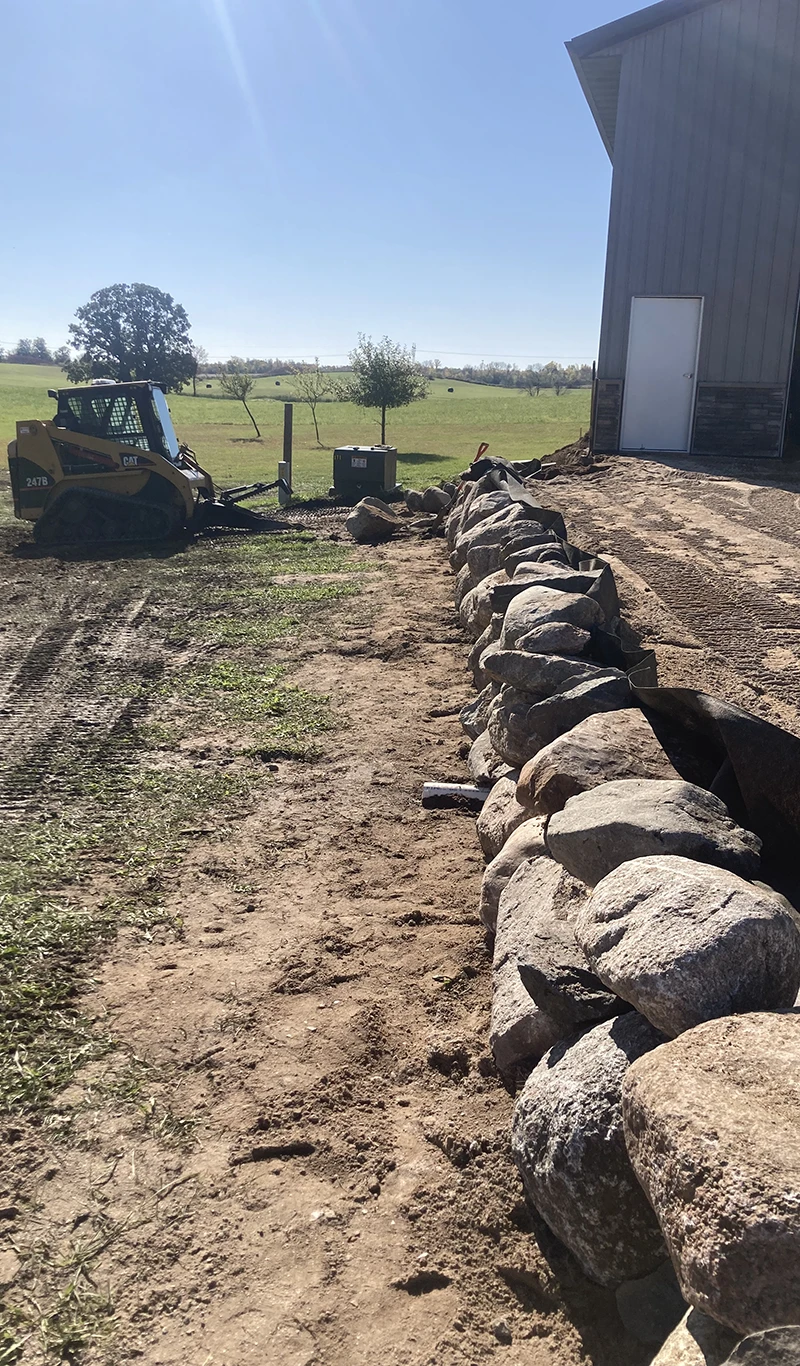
(689, 376)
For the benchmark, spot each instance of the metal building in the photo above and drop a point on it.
(698, 104)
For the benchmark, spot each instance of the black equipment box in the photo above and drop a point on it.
(360, 470)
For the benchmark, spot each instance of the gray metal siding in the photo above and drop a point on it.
(706, 190)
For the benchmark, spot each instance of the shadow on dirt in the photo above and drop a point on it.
(762, 472)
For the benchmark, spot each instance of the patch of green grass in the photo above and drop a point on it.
(283, 719)
(256, 621)
(130, 817)
(436, 438)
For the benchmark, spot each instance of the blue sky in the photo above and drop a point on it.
(297, 172)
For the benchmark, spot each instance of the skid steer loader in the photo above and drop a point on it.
(109, 467)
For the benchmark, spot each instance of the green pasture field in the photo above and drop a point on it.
(435, 438)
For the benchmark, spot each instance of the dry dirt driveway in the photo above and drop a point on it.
(348, 1198)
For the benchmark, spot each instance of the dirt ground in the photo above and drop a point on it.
(347, 1198)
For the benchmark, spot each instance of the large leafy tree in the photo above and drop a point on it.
(385, 375)
(130, 332)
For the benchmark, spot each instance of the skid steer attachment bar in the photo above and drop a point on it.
(252, 491)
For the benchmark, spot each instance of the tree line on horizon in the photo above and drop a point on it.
(533, 378)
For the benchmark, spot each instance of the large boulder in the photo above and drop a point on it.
(487, 638)
(519, 1033)
(475, 611)
(711, 1123)
(775, 1347)
(526, 842)
(474, 715)
(436, 500)
(520, 725)
(484, 763)
(685, 942)
(539, 606)
(472, 506)
(482, 561)
(490, 531)
(543, 550)
(538, 675)
(697, 1341)
(543, 902)
(555, 638)
(601, 749)
(500, 816)
(521, 548)
(635, 817)
(568, 1144)
(372, 521)
(464, 584)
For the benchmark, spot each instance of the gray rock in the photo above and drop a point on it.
(478, 509)
(601, 749)
(526, 842)
(508, 724)
(635, 817)
(475, 611)
(489, 531)
(519, 918)
(370, 522)
(775, 1347)
(712, 1131)
(553, 576)
(487, 638)
(543, 901)
(568, 1144)
(474, 717)
(455, 520)
(542, 606)
(485, 766)
(557, 638)
(542, 549)
(685, 942)
(413, 499)
(519, 1033)
(538, 675)
(652, 1307)
(436, 500)
(463, 586)
(483, 560)
(697, 1341)
(520, 725)
(500, 816)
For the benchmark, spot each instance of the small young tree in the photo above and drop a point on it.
(313, 387)
(385, 375)
(532, 380)
(199, 357)
(238, 384)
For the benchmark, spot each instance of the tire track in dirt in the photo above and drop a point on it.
(70, 689)
(732, 578)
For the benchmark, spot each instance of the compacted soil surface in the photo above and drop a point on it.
(250, 1113)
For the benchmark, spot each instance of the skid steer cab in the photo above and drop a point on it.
(108, 467)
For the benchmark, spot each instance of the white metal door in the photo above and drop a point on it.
(660, 379)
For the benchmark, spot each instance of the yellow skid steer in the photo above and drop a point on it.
(109, 467)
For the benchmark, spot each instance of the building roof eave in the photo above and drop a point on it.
(586, 87)
(633, 25)
(598, 62)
